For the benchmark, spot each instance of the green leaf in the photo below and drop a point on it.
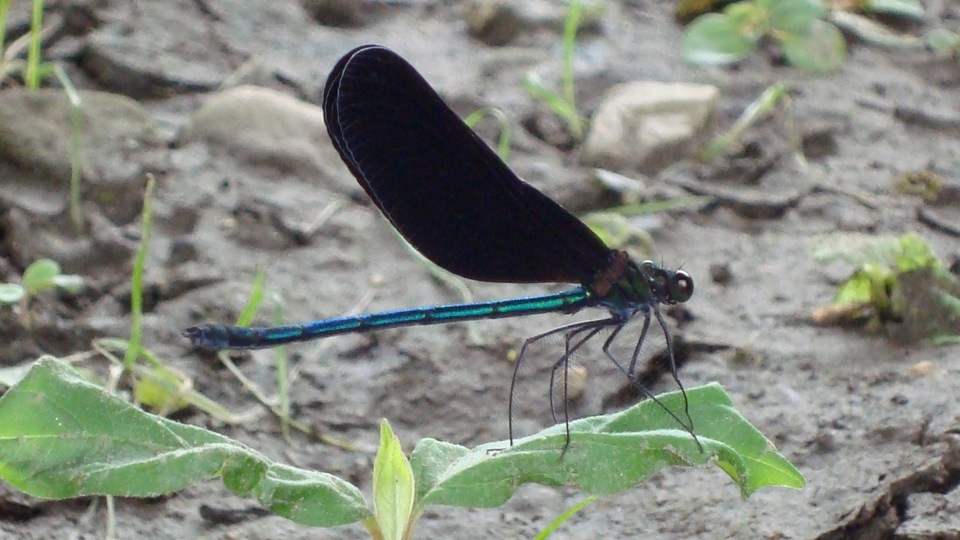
(751, 19)
(873, 32)
(906, 252)
(616, 231)
(393, 487)
(915, 253)
(855, 248)
(944, 339)
(38, 277)
(63, 437)
(820, 49)
(950, 302)
(254, 300)
(607, 454)
(70, 283)
(796, 16)
(762, 6)
(857, 289)
(162, 390)
(562, 108)
(503, 143)
(903, 8)
(758, 108)
(11, 293)
(562, 518)
(943, 41)
(713, 40)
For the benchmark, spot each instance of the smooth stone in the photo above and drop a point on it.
(649, 125)
(262, 127)
(119, 143)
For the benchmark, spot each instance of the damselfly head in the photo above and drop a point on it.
(667, 286)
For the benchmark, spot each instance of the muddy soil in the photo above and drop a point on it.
(870, 421)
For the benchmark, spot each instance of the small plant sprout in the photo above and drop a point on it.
(33, 71)
(503, 142)
(800, 27)
(76, 140)
(853, 17)
(563, 104)
(943, 42)
(41, 276)
(767, 102)
(896, 282)
(394, 491)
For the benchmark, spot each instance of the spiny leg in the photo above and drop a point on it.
(673, 370)
(632, 373)
(523, 349)
(643, 389)
(593, 327)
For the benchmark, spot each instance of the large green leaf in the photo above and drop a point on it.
(63, 437)
(607, 454)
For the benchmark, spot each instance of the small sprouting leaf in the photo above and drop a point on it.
(162, 390)
(915, 254)
(616, 231)
(562, 518)
(393, 487)
(567, 111)
(796, 16)
(897, 279)
(714, 40)
(855, 290)
(873, 32)
(950, 302)
(38, 277)
(503, 143)
(254, 300)
(903, 8)
(822, 48)
(751, 19)
(906, 252)
(943, 41)
(11, 293)
(70, 283)
(855, 249)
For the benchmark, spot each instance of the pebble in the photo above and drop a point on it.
(648, 125)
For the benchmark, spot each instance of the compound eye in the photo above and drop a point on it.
(681, 286)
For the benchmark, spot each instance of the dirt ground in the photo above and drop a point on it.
(871, 423)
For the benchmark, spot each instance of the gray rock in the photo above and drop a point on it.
(648, 125)
(265, 128)
(931, 515)
(134, 52)
(119, 144)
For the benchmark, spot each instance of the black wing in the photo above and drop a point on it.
(441, 186)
